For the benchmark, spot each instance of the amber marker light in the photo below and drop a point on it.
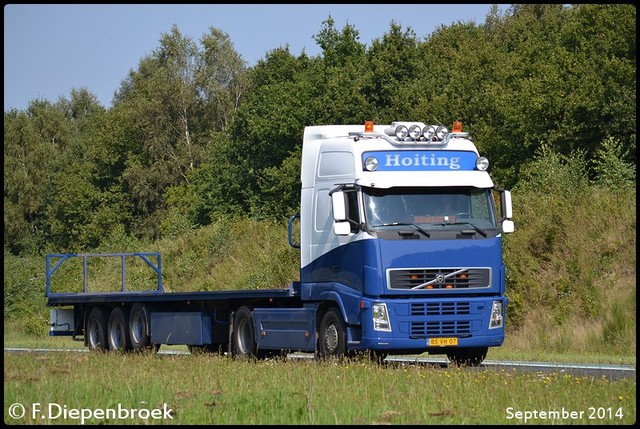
(457, 127)
(368, 126)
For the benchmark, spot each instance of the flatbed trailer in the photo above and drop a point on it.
(202, 320)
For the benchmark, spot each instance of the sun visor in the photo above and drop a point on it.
(379, 179)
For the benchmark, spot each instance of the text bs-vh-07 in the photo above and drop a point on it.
(400, 247)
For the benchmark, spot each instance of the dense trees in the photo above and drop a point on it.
(194, 134)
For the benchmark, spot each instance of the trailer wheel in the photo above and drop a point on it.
(139, 329)
(332, 335)
(118, 331)
(243, 340)
(468, 356)
(96, 329)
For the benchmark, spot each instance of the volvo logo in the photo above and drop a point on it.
(439, 279)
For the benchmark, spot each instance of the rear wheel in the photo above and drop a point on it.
(139, 328)
(243, 339)
(332, 335)
(118, 331)
(96, 329)
(468, 356)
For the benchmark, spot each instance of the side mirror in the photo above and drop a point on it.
(342, 228)
(507, 211)
(508, 226)
(339, 206)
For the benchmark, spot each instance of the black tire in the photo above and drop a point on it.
(468, 356)
(243, 338)
(96, 329)
(118, 330)
(332, 336)
(139, 328)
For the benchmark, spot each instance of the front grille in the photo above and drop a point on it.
(439, 278)
(447, 328)
(440, 309)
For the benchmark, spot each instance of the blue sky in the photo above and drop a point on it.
(50, 49)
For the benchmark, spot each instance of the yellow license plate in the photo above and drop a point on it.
(443, 342)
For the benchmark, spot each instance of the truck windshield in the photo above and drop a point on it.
(430, 208)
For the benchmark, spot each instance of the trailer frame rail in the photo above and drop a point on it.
(55, 260)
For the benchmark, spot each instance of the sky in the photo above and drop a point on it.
(50, 49)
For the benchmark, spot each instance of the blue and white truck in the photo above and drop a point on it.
(400, 238)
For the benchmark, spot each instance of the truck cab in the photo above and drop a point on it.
(401, 227)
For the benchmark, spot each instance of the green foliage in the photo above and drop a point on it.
(24, 279)
(193, 133)
(610, 168)
(230, 254)
(571, 261)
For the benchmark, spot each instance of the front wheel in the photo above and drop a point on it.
(332, 336)
(468, 356)
(243, 339)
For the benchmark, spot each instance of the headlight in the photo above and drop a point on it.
(482, 163)
(429, 132)
(496, 315)
(381, 317)
(442, 132)
(401, 132)
(415, 132)
(371, 163)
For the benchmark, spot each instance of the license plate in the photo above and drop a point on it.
(443, 342)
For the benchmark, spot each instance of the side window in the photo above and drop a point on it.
(353, 213)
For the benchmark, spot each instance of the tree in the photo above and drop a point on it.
(392, 61)
(221, 78)
(33, 140)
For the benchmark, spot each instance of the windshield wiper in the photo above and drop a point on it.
(484, 234)
(422, 231)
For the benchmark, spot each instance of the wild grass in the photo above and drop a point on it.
(209, 389)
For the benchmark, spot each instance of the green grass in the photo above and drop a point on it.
(205, 389)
